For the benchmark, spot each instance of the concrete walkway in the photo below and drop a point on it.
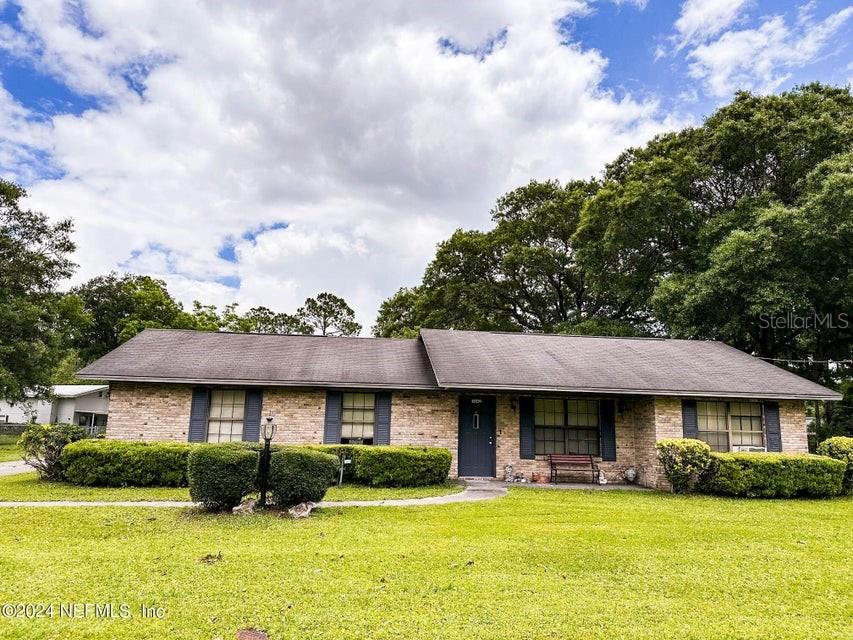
(475, 491)
(14, 467)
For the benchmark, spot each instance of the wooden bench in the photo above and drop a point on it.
(573, 463)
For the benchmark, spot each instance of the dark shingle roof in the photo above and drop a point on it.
(519, 361)
(196, 356)
(454, 360)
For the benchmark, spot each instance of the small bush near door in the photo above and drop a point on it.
(301, 475)
(683, 460)
(772, 475)
(113, 463)
(43, 444)
(221, 475)
(840, 448)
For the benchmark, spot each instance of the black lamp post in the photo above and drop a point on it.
(264, 471)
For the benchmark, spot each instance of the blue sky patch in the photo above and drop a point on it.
(228, 250)
(481, 51)
(232, 282)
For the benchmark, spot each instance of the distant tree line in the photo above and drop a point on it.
(738, 230)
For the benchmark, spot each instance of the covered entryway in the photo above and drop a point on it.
(477, 436)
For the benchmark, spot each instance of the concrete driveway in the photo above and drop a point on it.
(13, 467)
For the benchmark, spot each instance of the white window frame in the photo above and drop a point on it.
(230, 419)
(729, 431)
(360, 423)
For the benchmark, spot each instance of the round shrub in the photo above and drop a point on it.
(401, 466)
(772, 475)
(221, 475)
(840, 448)
(683, 460)
(115, 463)
(301, 475)
(43, 445)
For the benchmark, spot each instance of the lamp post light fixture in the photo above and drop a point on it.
(264, 471)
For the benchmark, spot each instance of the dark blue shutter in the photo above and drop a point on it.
(689, 421)
(198, 416)
(526, 446)
(332, 424)
(382, 419)
(607, 416)
(252, 415)
(772, 427)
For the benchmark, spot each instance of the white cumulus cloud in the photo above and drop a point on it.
(701, 19)
(350, 140)
(762, 58)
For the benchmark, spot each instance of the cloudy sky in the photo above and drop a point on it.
(264, 151)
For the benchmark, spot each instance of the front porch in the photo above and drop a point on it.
(490, 435)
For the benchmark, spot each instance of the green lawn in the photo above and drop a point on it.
(27, 487)
(9, 448)
(536, 564)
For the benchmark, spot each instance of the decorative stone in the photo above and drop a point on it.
(630, 475)
(509, 475)
(302, 510)
(245, 508)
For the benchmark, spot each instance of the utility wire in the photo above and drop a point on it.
(807, 361)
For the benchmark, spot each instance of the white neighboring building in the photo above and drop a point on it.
(85, 405)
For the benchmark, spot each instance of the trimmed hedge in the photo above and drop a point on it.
(301, 475)
(389, 466)
(840, 448)
(772, 475)
(221, 475)
(113, 463)
(402, 466)
(683, 461)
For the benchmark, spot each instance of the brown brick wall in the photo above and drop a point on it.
(426, 420)
(299, 414)
(140, 411)
(792, 423)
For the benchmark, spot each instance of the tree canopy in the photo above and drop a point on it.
(328, 315)
(737, 230)
(117, 307)
(35, 320)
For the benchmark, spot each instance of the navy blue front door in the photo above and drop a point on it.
(476, 436)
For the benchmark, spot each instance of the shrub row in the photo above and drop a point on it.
(690, 464)
(113, 463)
(221, 475)
(392, 466)
(772, 475)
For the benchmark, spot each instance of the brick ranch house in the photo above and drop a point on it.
(492, 399)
